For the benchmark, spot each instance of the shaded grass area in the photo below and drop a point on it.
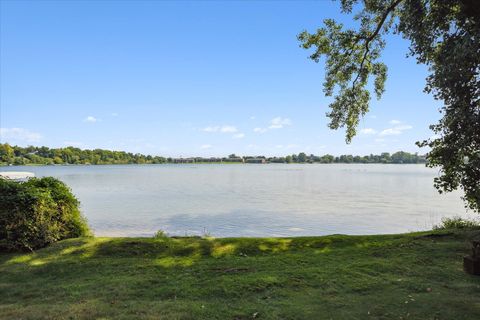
(409, 276)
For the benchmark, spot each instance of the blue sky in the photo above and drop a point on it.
(189, 78)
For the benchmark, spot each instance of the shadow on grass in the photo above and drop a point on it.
(185, 251)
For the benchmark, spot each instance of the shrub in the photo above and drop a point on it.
(38, 212)
(457, 223)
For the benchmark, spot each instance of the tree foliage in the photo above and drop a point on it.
(43, 155)
(445, 36)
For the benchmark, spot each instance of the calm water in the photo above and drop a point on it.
(256, 200)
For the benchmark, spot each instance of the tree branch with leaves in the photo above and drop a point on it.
(445, 36)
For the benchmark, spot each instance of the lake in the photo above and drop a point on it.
(256, 200)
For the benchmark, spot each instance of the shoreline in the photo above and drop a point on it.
(199, 163)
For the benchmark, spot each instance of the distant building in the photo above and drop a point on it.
(212, 159)
(233, 159)
(183, 160)
(255, 160)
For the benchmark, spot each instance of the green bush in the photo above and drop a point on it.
(38, 212)
(457, 223)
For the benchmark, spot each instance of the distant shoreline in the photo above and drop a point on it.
(15, 155)
(196, 163)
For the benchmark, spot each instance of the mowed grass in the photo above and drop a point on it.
(408, 276)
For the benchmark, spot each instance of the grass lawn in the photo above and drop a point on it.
(407, 276)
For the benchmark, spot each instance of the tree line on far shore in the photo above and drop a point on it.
(15, 155)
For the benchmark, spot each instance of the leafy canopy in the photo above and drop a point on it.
(445, 36)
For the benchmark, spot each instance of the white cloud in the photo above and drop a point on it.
(228, 129)
(252, 118)
(397, 130)
(368, 131)
(114, 114)
(210, 129)
(19, 134)
(275, 123)
(260, 130)
(279, 122)
(206, 146)
(91, 119)
(239, 136)
(373, 116)
(221, 129)
(390, 132)
(404, 127)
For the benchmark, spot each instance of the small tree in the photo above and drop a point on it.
(302, 157)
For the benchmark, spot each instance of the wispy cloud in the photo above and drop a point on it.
(114, 114)
(239, 136)
(228, 129)
(368, 131)
(260, 130)
(397, 130)
(275, 123)
(91, 119)
(206, 146)
(221, 129)
(19, 134)
(279, 123)
(210, 129)
(398, 127)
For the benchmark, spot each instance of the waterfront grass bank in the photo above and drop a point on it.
(406, 276)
